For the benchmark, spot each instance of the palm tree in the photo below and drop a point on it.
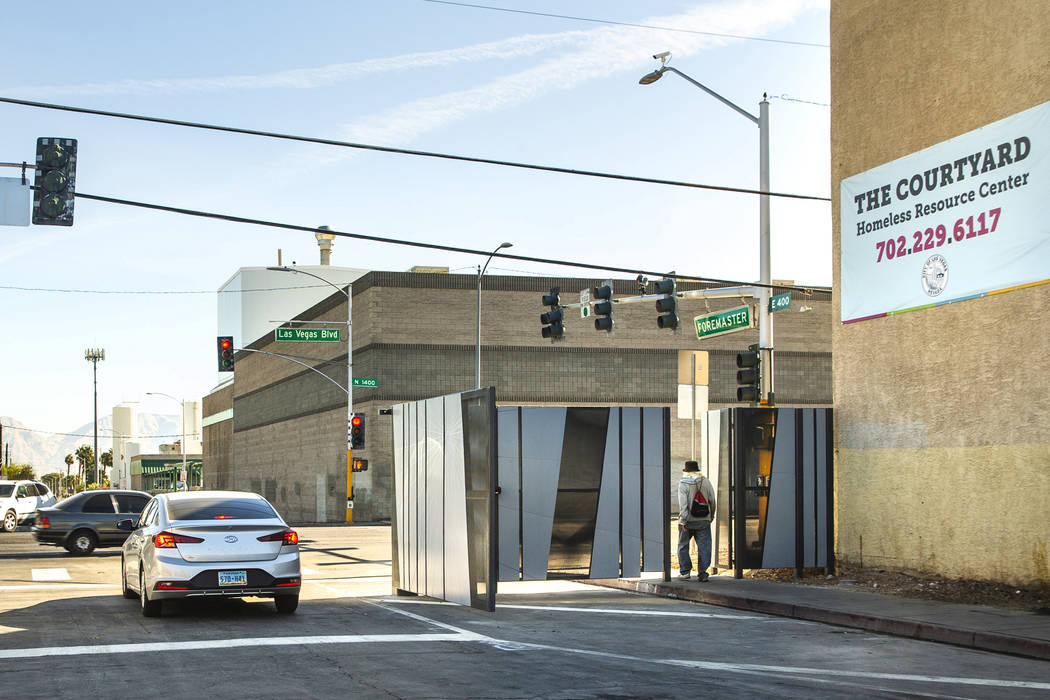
(106, 460)
(85, 458)
(69, 463)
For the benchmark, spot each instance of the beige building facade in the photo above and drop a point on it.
(942, 414)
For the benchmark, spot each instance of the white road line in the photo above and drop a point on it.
(460, 635)
(50, 575)
(763, 669)
(750, 669)
(305, 571)
(57, 586)
(231, 643)
(613, 611)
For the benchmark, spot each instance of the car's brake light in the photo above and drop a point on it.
(42, 521)
(289, 582)
(166, 540)
(284, 537)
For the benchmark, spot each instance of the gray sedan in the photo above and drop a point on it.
(88, 520)
(210, 544)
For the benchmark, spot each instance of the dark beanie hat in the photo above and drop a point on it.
(692, 466)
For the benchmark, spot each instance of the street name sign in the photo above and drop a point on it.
(780, 302)
(365, 381)
(312, 335)
(721, 322)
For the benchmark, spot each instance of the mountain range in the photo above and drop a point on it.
(46, 452)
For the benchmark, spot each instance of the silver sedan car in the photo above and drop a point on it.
(210, 543)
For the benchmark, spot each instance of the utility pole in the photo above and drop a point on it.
(93, 355)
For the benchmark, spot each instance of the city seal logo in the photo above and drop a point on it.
(934, 275)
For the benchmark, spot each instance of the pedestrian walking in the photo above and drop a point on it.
(696, 509)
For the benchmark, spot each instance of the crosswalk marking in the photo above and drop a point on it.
(50, 575)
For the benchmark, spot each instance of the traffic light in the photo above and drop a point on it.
(56, 174)
(357, 431)
(225, 347)
(552, 320)
(668, 306)
(359, 465)
(749, 379)
(603, 310)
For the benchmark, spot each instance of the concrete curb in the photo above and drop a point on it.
(913, 629)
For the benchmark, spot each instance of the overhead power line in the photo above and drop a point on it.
(51, 432)
(405, 151)
(629, 24)
(419, 244)
(159, 291)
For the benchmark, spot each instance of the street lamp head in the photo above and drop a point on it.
(505, 244)
(650, 78)
(283, 268)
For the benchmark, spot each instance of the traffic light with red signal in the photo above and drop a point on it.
(225, 349)
(357, 431)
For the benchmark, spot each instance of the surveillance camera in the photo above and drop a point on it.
(663, 55)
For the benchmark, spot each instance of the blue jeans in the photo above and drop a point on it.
(700, 532)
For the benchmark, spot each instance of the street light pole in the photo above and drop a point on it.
(349, 374)
(477, 336)
(93, 355)
(182, 424)
(765, 320)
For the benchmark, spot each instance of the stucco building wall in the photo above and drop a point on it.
(942, 414)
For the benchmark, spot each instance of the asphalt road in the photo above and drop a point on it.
(66, 632)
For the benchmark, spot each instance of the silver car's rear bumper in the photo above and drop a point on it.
(201, 579)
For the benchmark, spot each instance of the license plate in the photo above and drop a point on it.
(233, 578)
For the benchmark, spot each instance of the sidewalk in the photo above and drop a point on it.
(977, 627)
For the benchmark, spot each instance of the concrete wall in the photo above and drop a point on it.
(217, 434)
(942, 416)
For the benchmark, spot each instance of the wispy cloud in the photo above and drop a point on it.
(12, 249)
(601, 53)
(309, 78)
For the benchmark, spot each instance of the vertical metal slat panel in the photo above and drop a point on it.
(434, 512)
(630, 517)
(543, 430)
(605, 556)
(457, 564)
(653, 525)
(509, 472)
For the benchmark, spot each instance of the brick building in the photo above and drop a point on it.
(280, 429)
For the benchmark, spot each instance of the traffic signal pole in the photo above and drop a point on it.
(349, 376)
(765, 318)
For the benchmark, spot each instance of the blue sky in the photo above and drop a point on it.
(404, 73)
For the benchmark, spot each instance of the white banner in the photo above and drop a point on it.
(957, 220)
